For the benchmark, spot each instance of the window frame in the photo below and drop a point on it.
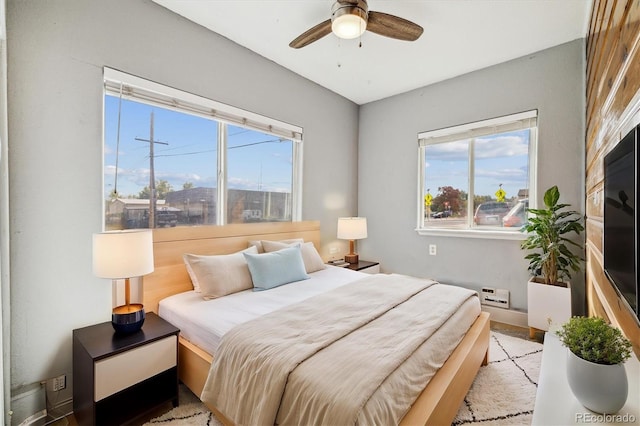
(512, 122)
(130, 87)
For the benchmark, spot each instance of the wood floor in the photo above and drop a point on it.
(513, 330)
(502, 328)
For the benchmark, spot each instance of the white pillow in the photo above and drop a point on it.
(258, 243)
(310, 256)
(219, 275)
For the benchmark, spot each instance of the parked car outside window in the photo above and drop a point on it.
(440, 215)
(517, 216)
(490, 213)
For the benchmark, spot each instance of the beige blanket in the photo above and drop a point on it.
(308, 364)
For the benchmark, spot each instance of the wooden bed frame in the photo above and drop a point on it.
(437, 404)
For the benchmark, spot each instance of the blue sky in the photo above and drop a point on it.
(260, 161)
(255, 160)
(500, 159)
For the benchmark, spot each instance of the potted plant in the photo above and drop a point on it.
(551, 262)
(595, 369)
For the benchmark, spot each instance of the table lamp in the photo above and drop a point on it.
(352, 228)
(123, 255)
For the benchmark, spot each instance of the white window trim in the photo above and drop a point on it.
(221, 209)
(489, 233)
(118, 83)
(473, 130)
(142, 90)
(296, 182)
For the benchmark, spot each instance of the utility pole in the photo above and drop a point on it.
(152, 175)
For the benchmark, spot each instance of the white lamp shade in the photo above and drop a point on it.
(123, 254)
(352, 228)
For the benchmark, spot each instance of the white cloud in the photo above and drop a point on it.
(502, 146)
(488, 147)
(506, 174)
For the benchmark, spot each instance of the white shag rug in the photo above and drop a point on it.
(503, 393)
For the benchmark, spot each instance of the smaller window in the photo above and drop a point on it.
(477, 179)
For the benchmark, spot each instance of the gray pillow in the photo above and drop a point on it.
(219, 275)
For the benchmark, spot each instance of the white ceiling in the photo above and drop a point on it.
(459, 36)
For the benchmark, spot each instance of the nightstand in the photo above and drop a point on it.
(117, 378)
(365, 266)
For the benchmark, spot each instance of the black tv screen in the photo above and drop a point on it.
(620, 219)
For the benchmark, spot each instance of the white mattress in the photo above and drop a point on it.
(204, 322)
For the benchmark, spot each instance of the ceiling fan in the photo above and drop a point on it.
(350, 18)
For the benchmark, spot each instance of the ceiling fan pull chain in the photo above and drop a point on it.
(360, 36)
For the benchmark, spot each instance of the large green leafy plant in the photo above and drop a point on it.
(594, 340)
(551, 258)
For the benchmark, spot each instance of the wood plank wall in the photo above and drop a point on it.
(612, 102)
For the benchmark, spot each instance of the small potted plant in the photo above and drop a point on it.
(595, 363)
(551, 262)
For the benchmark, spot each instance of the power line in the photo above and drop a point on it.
(255, 143)
(215, 150)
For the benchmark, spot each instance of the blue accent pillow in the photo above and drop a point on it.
(269, 270)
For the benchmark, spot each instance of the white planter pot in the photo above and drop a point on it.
(600, 388)
(549, 306)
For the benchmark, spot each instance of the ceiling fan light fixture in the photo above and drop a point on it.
(348, 21)
(350, 18)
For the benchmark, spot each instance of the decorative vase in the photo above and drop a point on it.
(600, 388)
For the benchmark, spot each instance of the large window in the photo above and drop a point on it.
(175, 159)
(478, 179)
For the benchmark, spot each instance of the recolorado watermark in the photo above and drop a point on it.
(605, 418)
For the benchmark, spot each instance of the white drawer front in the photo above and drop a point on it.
(371, 269)
(120, 371)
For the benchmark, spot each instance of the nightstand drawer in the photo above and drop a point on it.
(121, 371)
(375, 269)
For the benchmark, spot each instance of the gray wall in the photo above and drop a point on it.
(551, 81)
(56, 51)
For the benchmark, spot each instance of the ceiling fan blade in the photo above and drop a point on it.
(393, 26)
(312, 34)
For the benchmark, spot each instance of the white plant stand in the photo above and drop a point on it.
(549, 306)
(555, 403)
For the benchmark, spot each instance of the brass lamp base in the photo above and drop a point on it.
(351, 258)
(127, 319)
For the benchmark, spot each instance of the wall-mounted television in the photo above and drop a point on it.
(621, 219)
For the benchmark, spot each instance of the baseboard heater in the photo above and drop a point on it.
(494, 297)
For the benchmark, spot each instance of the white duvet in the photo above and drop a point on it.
(204, 322)
(359, 354)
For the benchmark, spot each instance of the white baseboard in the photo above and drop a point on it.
(507, 316)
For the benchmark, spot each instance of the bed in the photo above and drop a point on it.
(436, 404)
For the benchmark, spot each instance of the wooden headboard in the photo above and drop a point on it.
(169, 244)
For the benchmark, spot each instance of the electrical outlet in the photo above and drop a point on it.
(432, 249)
(59, 383)
(333, 250)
